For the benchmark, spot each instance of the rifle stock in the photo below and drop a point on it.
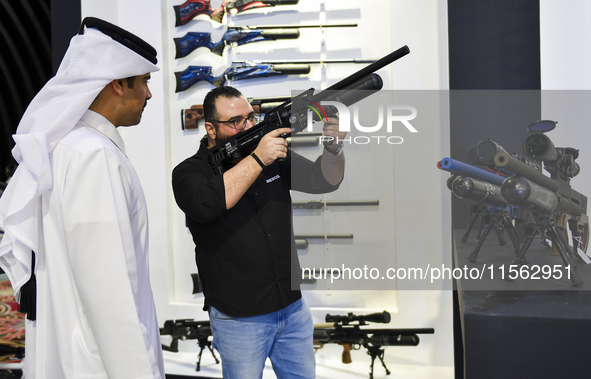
(192, 8)
(193, 40)
(241, 35)
(194, 74)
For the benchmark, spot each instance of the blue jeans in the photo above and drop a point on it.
(285, 336)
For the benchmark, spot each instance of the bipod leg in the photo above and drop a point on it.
(474, 255)
(481, 226)
(526, 244)
(475, 212)
(511, 232)
(199, 359)
(499, 230)
(563, 248)
(203, 345)
(374, 352)
(213, 354)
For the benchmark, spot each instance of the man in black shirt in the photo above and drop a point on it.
(245, 249)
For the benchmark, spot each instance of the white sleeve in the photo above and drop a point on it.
(96, 207)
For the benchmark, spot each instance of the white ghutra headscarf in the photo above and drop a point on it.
(92, 60)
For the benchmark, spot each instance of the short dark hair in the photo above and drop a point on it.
(209, 110)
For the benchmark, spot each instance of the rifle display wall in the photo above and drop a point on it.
(336, 43)
(399, 210)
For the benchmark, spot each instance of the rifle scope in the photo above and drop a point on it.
(538, 146)
(382, 318)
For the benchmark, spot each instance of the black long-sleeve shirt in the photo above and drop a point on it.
(245, 255)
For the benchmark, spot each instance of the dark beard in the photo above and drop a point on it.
(219, 137)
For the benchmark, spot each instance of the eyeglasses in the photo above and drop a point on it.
(240, 122)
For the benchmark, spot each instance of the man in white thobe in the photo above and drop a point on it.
(75, 217)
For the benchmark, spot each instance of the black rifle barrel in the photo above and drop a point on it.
(323, 236)
(306, 61)
(519, 168)
(381, 63)
(254, 27)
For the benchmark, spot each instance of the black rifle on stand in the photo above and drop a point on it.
(349, 332)
(188, 330)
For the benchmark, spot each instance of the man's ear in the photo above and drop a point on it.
(210, 129)
(117, 86)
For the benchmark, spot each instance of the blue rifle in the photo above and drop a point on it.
(191, 8)
(241, 35)
(242, 70)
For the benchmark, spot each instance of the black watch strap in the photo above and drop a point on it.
(336, 151)
(258, 160)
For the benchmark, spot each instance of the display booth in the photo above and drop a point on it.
(402, 216)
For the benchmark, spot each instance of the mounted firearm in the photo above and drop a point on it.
(188, 330)
(194, 74)
(552, 200)
(492, 208)
(294, 113)
(191, 8)
(241, 70)
(483, 186)
(241, 35)
(348, 332)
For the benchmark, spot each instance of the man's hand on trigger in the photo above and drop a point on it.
(272, 146)
(331, 129)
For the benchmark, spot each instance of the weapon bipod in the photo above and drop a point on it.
(205, 344)
(376, 352)
(498, 219)
(552, 232)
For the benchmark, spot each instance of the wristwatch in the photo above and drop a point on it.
(338, 150)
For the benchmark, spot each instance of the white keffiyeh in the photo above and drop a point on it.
(92, 60)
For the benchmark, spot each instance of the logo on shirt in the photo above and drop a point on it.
(273, 178)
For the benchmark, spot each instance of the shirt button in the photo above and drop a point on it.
(256, 193)
(277, 278)
(269, 234)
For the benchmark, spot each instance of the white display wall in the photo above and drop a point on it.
(565, 38)
(158, 144)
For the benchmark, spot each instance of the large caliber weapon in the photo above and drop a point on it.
(192, 8)
(293, 113)
(188, 330)
(347, 330)
(483, 187)
(492, 209)
(242, 70)
(553, 201)
(241, 35)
